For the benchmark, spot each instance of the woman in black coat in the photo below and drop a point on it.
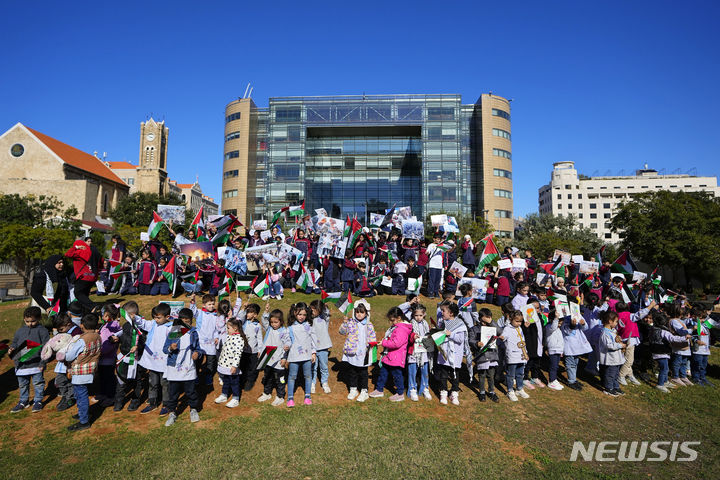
(51, 281)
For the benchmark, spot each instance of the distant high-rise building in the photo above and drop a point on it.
(364, 154)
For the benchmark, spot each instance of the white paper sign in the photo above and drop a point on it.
(575, 313)
(577, 258)
(221, 252)
(530, 315)
(144, 236)
(638, 276)
(519, 263)
(486, 333)
(438, 220)
(259, 225)
(562, 309)
(386, 282)
(458, 269)
(588, 267)
(543, 279)
(266, 235)
(566, 256)
(504, 263)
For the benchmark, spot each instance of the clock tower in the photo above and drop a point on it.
(152, 170)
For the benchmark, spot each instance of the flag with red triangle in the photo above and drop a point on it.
(489, 256)
(169, 274)
(624, 264)
(27, 350)
(297, 211)
(156, 225)
(198, 226)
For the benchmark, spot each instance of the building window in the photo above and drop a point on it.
(230, 211)
(590, 188)
(105, 202)
(673, 186)
(230, 174)
(593, 225)
(287, 172)
(232, 136)
(569, 196)
(559, 196)
(232, 154)
(499, 172)
(499, 152)
(644, 186)
(593, 215)
(501, 133)
(580, 206)
(606, 215)
(17, 150)
(593, 205)
(441, 113)
(503, 214)
(580, 196)
(569, 206)
(500, 113)
(230, 193)
(292, 197)
(503, 193)
(287, 114)
(580, 215)
(503, 234)
(603, 188)
(232, 116)
(606, 205)
(607, 235)
(131, 181)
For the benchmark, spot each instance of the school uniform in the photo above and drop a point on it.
(146, 275)
(180, 371)
(209, 326)
(516, 356)
(611, 359)
(253, 333)
(154, 360)
(274, 377)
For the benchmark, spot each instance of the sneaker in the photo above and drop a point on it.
(522, 393)
(290, 403)
(610, 393)
(363, 396)
(148, 409)
(443, 397)
(62, 405)
(194, 417)
(134, 405)
(108, 402)
(511, 395)
(264, 397)
(233, 403)
(164, 411)
(326, 388)
(528, 384)
(414, 395)
(634, 380)
(663, 388)
(352, 394)
(376, 394)
(222, 398)
(575, 386)
(19, 407)
(622, 381)
(687, 381)
(37, 406)
(397, 398)
(118, 407)
(481, 396)
(670, 385)
(555, 385)
(308, 401)
(277, 402)
(312, 388)
(171, 419)
(454, 398)
(493, 396)
(619, 392)
(678, 382)
(426, 394)
(76, 427)
(267, 297)
(538, 383)
(220, 381)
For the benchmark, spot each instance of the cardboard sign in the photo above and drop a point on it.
(438, 220)
(566, 256)
(544, 279)
(504, 264)
(575, 313)
(530, 315)
(638, 276)
(589, 267)
(259, 225)
(458, 269)
(562, 308)
(577, 259)
(479, 288)
(519, 263)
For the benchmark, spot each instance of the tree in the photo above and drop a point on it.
(680, 230)
(33, 211)
(136, 209)
(544, 233)
(478, 228)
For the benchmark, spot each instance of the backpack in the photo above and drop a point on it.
(658, 344)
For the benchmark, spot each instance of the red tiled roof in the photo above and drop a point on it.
(97, 225)
(77, 158)
(122, 166)
(185, 185)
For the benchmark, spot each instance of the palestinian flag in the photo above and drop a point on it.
(348, 224)
(387, 219)
(55, 309)
(543, 318)
(266, 356)
(489, 255)
(4, 347)
(243, 285)
(156, 225)
(444, 247)
(228, 286)
(439, 338)
(376, 280)
(704, 323)
(198, 226)
(303, 280)
(346, 307)
(467, 305)
(297, 211)
(333, 297)
(589, 281)
(27, 350)
(599, 255)
(222, 236)
(262, 287)
(624, 264)
(414, 284)
(355, 231)
(191, 277)
(371, 355)
(126, 316)
(277, 215)
(178, 329)
(229, 221)
(388, 252)
(169, 273)
(115, 269)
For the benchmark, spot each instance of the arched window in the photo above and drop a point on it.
(147, 154)
(105, 202)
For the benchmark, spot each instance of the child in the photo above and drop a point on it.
(248, 316)
(232, 344)
(395, 346)
(63, 324)
(320, 323)
(485, 356)
(146, 273)
(362, 287)
(160, 286)
(127, 279)
(533, 333)
(575, 344)
(681, 351)
(452, 350)
(701, 345)
(360, 333)
(467, 312)
(630, 334)
(25, 352)
(83, 355)
(555, 347)
(182, 352)
(105, 378)
(610, 353)
(131, 344)
(516, 356)
(153, 360)
(276, 335)
(209, 326)
(75, 309)
(417, 356)
(661, 345)
(301, 354)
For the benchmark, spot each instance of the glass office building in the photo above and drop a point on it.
(363, 154)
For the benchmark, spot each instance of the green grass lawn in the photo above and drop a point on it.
(336, 438)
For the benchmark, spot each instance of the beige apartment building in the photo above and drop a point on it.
(362, 154)
(593, 200)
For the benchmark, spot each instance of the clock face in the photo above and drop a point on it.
(150, 137)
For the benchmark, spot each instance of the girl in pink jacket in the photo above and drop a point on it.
(395, 345)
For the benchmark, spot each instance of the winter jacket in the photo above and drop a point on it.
(396, 345)
(180, 365)
(303, 342)
(609, 349)
(350, 328)
(37, 334)
(554, 338)
(474, 336)
(230, 353)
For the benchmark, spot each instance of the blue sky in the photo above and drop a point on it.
(610, 85)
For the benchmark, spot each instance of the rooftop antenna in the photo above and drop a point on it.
(646, 166)
(595, 173)
(676, 171)
(621, 173)
(246, 90)
(250, 94)
(104, 155)
(692, 171)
